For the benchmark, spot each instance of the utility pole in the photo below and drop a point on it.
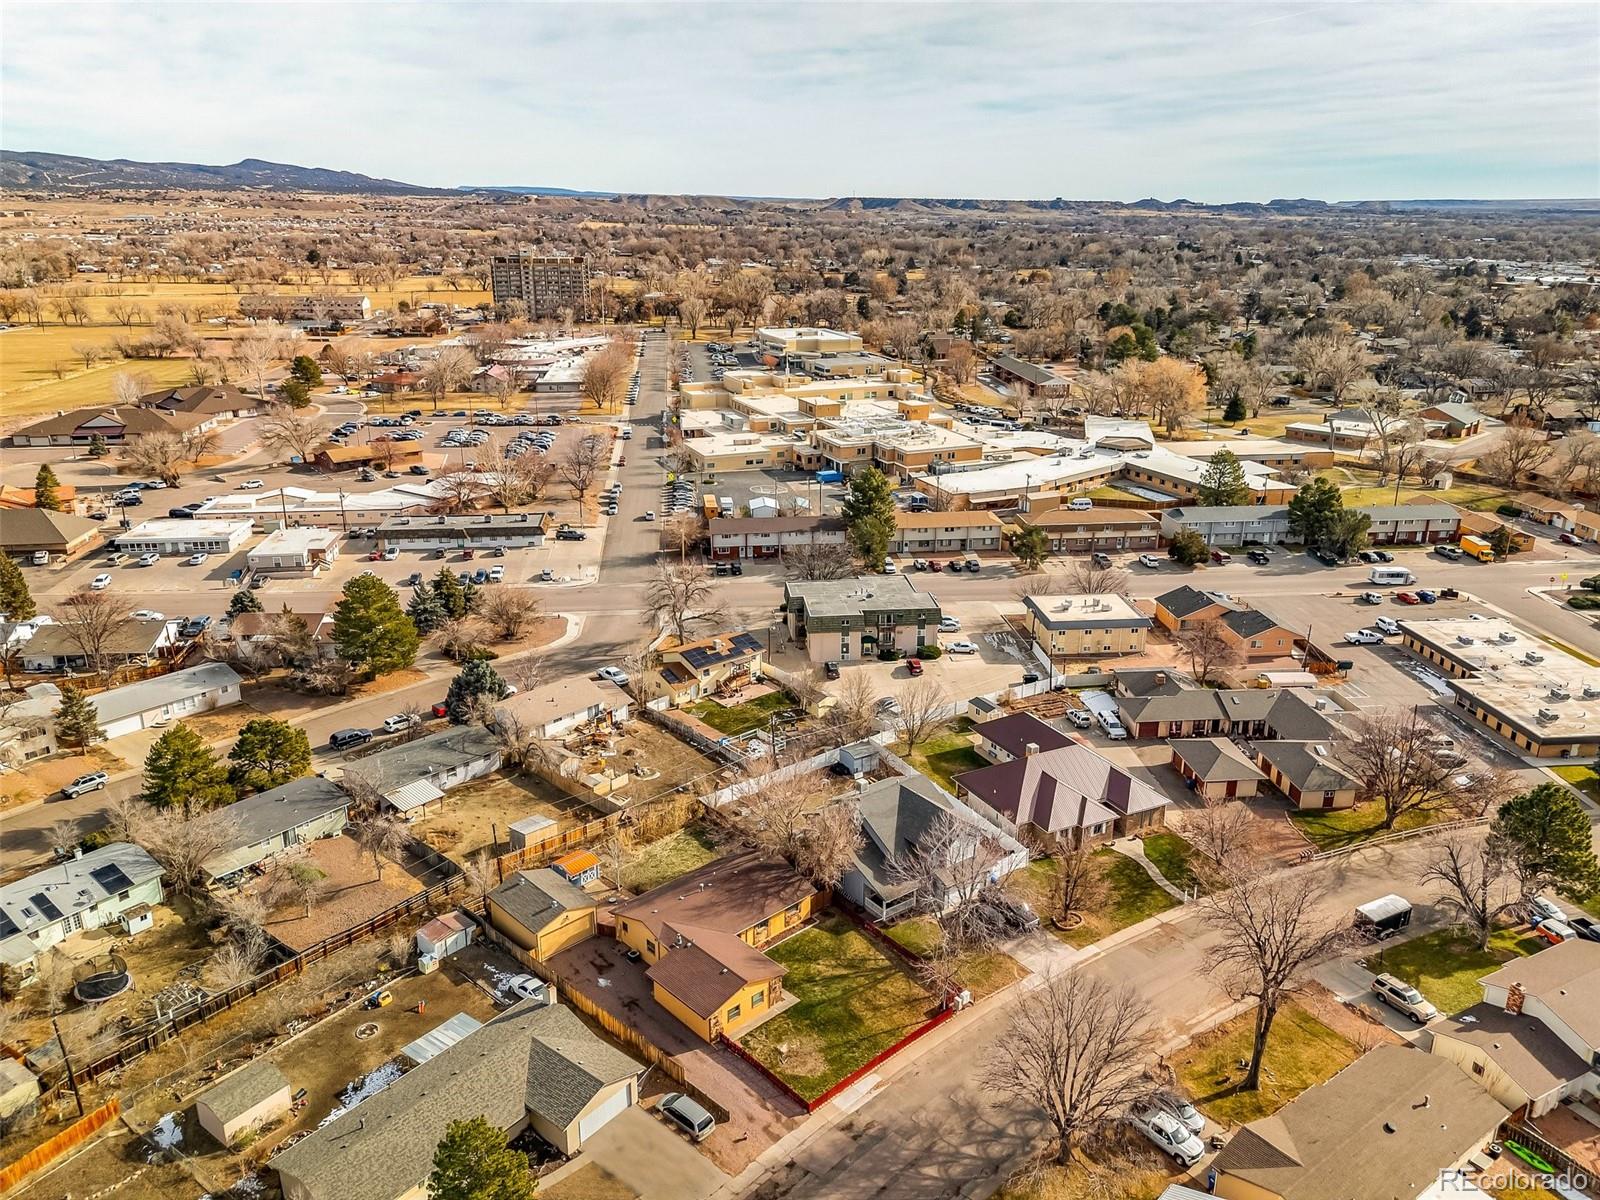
(66, 1061)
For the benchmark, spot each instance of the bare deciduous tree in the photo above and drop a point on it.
(254, 356)
(508, 610)
(1078, 885)
(1522, 450)
(160, 454)
(1392, 752)
(950, 869)
(1088, 578)
(1207, 649)
(1479, 882)
(583, 461)
(680, 531)
(1224, 833)
(89, 619)
(448, 372)
(1075, 1052)
(830, 844)
(924, 708)
(298, 433)
(1271, 928)
(681, 597)
(819, 561)
(381, 836)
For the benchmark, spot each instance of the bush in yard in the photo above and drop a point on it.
(244, 601)
(930, 651)
(1509, 510)
(1188, 547)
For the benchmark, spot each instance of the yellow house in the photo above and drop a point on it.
(541, 912)
(702, 934)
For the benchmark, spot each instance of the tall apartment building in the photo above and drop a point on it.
(546, 283)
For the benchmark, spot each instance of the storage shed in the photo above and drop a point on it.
(443, 936)
(578, 867)
(251, 1097)
(530, 829)
(859, 758)
(19, 1089)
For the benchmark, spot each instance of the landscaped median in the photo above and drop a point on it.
(854, 1000)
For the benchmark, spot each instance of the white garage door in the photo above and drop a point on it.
(590, 1125)
(124, 725)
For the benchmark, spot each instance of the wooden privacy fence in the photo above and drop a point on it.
(47, 1152)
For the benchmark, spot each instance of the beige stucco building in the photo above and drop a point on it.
(1071, 626)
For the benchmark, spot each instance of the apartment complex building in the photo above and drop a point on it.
(546, 283)
(320, 308)
(845, 619)
(1071, 626)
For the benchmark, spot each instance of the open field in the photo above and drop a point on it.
(1301, 1053)
(476, 816)
(854, 1001)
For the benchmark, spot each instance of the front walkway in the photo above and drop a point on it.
(1133, 848)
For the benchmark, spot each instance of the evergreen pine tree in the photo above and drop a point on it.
(476, 681)
(16, 602)
(371, 630)
(1222, 483)
(98, 446)
(77, 723)
(450, 594)
(473, 1162)
(1235, 410)
(268, 754)
(425, 611)
(244, 601)
(181, 772)
(45, 484)
(868, 510)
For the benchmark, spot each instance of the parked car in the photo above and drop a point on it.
(1403, 998)
(1586, 928)
(196, 560)
(1445, 550)
(399, 722)
(1542, 908)
(1407, 598)
(831, 670)
(1364, 637)
(1168, 1134)
(1260, 557)
(962, 647)
(343, 739)
(571, 535)
(1112, 725)
(1426, 596)
(1368, 556)
(1080, 717)
(497, 574)
(615, 675)
(1188, 1115)
(914, 666)
(949, 625)
(94, 782)
(1555, 932)
(1100, 559)
(146, 614)
(687, 1115)
(1326, 557)
(1387, 625)
(252, 485)
(195, 626)
(1371, 597)
(1150, 561)
(100, 582)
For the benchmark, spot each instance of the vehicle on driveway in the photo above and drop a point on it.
(831, 670)
(687, 1115)
(1188, 1115)
(614, 675)
(95, 782)
(1168, 1134)
(1150, 561)
(1403, 998)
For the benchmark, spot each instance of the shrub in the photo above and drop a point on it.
(1509, 510)
(1591, 584)
(1584, 600)
(930, 652)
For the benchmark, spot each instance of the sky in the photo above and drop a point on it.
(1212, 101)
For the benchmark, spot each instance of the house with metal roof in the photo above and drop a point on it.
(84, 892)
(534, 1066)
(688, 671)
(1071, 792)
(413, 774)
(152, 702)
(276, 821)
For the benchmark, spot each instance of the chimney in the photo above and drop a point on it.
(1030, 750)
(1161, 678)
(1514, 999)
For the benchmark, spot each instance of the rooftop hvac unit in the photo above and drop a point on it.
(1532, 656)
(1546, 714)
(1590, 691)
(1560, 693)
(1464, 639)
(1507, 636)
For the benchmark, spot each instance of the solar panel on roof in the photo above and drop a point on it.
(45, 907)
(111, 877)
(7, 926)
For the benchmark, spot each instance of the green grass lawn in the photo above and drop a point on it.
(676, 854)
(1334, 828)
(742, 718)
(1173, 857)
(854, 1001)
(1585, 779)
(1130, 896)
(981, 974)
(1301, 1052)
(947, 754)
(1446, 966)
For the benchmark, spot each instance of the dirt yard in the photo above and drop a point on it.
(277, 700)
(45, 777)
(658, 751)
(354, 892)
(476, 816)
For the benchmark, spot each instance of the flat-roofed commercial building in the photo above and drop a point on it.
(808, 340)
(546, 283)
(1536, 695)
(172, 536)
(467, 531)
(848, 619)
(302, 548)
(1070, 626)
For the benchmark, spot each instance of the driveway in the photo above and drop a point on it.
(656, 1162)
(758, 1113)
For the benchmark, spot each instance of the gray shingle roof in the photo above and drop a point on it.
(1186, 601)
(536, 898)
(426, 758)
(530, 1058)
(243, 1090)
(271, 813)
(1215, 760)
(163, 689)
(41, 899)
(895, 814)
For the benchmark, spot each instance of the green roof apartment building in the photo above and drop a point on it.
(845, 620)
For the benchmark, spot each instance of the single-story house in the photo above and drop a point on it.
(701, 935)
(896, 816)
(272, 822)
(112, 422)
(221, 401)
(84, 892)
(1071, 793)
(1387, 1125)
(555, 709)
(167, 536)
(465, 531)
(1017, 735)
(691, 671)
(1557, 514)
(27, 530)
(384, 453)
(300, 548)
(255, 1095)
(1214, 768)
(1108, 530)
(1452, 420)
(153, 702)
(541, 912)
(1534, 1041)
(54, 648)
(1307, 774)
(534, 1066)
(1486, 525)
(1185, 607)
(259, 628)
(930, 533)
(1029, 379)
(1240, 712)
(12, 497)
(429, 766)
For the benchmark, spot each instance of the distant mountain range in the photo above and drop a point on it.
(30, 170)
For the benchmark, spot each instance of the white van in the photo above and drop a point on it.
(1390, 575)
(1080, 504)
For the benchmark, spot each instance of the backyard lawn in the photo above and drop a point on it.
(1301, 1052)
(1130, 896)
(1446, 966)
(734, 719)
(854, 1001)
(982, 974)
(1334, 828)
(947, 754)
(676, 854)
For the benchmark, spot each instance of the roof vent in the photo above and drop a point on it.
(1388, 1128)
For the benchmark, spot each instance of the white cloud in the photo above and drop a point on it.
(1215, 101)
